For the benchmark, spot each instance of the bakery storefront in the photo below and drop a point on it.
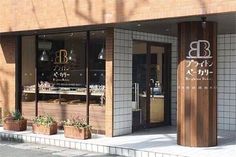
(63, 75)
(113, 79)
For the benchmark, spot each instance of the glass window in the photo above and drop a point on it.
(97, 80)
(28, 76)
(61, 75)
(62, 69)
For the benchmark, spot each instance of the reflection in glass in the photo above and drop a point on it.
(28, 77)
(97, 81)
(62, 80)
(62, 73)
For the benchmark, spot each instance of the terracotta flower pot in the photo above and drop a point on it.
(46, 130)
(77, 133)
(15, 125)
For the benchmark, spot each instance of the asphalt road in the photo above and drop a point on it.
(12, 149)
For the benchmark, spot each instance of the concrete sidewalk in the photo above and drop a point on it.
(158, 142)
(13, 149)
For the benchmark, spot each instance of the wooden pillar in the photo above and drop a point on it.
(109, 55)
(196, 112)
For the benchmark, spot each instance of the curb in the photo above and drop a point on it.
(81, 145)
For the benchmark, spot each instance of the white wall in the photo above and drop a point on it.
(123, 47)
(226, 81)
(226, 76)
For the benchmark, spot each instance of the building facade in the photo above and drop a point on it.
(122, 65)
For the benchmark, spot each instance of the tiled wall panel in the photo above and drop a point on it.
(122, 82)
(226, 75)
(226, 83)
(123, 45)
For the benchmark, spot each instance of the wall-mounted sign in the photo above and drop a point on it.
(61, 67)
(199, 61)
(61, 57)
(195, 50)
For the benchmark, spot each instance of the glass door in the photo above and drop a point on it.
(156, 84)
(139, 77)
(151, 82)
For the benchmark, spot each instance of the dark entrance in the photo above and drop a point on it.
(151, 84)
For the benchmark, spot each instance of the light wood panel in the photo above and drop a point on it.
(109, 82)
(62, 112)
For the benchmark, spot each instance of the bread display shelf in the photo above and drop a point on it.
(63, 92)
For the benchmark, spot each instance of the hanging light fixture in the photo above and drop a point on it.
(44, 57)
(72, 56)
(101, 55)
(203, 22)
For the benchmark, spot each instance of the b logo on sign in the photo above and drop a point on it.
(61, 57)
(196, 47)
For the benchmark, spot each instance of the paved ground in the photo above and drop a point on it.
(12, 149)
(148, 142)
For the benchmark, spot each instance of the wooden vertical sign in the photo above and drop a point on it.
(196, 112)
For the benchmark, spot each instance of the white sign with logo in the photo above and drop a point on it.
(195, 48)
(199, 61)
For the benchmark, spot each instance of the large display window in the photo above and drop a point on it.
(63, 75)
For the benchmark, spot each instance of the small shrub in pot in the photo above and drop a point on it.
(15, 122)
(76, 128)
(44, 124)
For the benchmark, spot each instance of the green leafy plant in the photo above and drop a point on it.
(76, 122)
(14, 116)
(45, 120)
(17, 115)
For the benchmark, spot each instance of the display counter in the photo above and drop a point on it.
(65, 104)
(156, 108)
(64, 92)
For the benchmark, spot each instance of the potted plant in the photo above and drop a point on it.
(77, 128)
(15, 122)
(44, 124)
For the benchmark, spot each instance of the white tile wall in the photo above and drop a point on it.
(226, 75)
(226, 81)
(123, 42)
(122, 82)
(174, 56)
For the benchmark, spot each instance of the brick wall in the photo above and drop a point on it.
(41, 14)
(7, 73)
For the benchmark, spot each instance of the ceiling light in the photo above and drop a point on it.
(101, 55)
(44, 57)
(72, 56)
(139, 25)
(203, 22)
